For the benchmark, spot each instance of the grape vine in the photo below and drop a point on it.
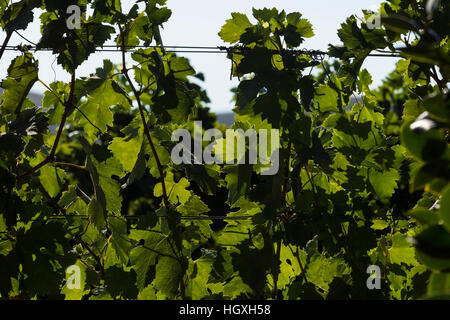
(87, 179)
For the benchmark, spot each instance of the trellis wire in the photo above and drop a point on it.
(129, 217)
(194, 49)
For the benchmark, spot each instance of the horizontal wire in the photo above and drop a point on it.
(194, 49)
(58, 217)
(155, 46)
(218, 48)
(198, 49)
(128, 217)
(171, 51)
(114, 50)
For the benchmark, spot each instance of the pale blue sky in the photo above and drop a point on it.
(197, 22)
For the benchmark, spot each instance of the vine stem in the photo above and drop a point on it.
(51, 157)
(51, 91)
(89, 267)
(297, 256)
(9, 34)
(152, 146)
(62, 164)
(5, 43)
(96, 258)
(276, 262)
(144, 122)
(276, 270)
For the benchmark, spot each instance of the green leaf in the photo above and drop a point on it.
(22, 74)
(109, 185)
(234, 27)
(157, 16)
(72, 46)
(238, 181)
(351, 35)
(365, 79)
(149, 293)
(238, 231)
(194, 206)
(106, 188)
(205, 176)
(379, 225)
(51, 103)
(198, 286)
(326, 99)
(321, 271)
(139, 168)
(424, 53)
(168, 276)
(296, 30)
(399, 23)
(52, 178)
(119, 238)
(411, 110)
(289, 265)
(96, 215)
(424, 216)
(18, 16)
(444, 207)
(138, 29)
(384, 183)
(304, 27)
(97, 107)
(68, 197)
(248, 91)
(402, 251)
(181, 67)
(265, 14)
(127, 149)
(142, 257)
(176, 191)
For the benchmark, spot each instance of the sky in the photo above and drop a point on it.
(197, 23)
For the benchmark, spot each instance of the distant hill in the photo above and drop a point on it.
(225, 118)
(35, 97)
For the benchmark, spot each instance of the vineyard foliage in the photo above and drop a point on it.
(87, 178)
